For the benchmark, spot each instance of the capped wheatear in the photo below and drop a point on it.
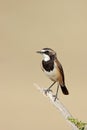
(53, 69)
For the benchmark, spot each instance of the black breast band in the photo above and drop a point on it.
(48, 65)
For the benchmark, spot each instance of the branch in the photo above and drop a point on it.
(68, 117)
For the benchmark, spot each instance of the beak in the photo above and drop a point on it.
(39, 52)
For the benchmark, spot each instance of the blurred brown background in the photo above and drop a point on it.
(25, 27)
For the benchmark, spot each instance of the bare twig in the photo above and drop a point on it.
(66, 114)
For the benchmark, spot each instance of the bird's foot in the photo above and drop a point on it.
(47, 91)
(55, 97)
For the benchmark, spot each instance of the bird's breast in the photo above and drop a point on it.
(48, 65)
(51, 70)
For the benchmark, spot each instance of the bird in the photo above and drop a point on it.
(54, 70)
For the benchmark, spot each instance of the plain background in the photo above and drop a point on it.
(25, 27)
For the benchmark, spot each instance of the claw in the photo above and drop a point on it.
(47, 91)
(55, 97)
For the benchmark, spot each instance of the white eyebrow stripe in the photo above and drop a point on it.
(43, 50)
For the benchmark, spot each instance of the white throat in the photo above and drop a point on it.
(46, 57)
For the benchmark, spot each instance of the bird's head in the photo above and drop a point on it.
(47, 53)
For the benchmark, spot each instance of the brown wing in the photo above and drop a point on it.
(60, 68)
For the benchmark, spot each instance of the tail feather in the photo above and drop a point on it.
(64, 90)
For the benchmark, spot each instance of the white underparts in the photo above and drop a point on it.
(53, 74)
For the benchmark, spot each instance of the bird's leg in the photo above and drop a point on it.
(56, 93)
(47, 90)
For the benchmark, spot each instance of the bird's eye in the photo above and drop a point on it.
(46, 52)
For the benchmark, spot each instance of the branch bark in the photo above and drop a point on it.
(58, 104)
